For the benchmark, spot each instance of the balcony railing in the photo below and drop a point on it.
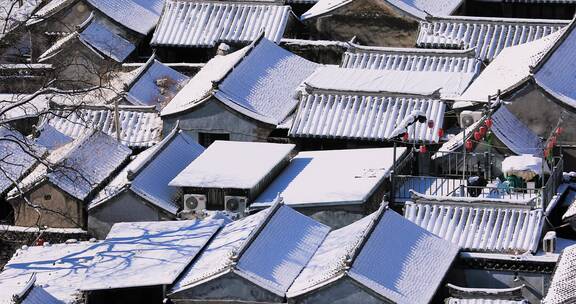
(446, 186)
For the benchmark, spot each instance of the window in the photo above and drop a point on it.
(206, 139)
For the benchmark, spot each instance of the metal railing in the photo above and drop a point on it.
(441, 186)
(555, 179)
(452, 164)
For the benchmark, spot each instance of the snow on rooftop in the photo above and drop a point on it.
(201, 85)
(524, 162)
(140, 16)
(155, 85)
(395, 261)
(150, 172)
(229, 164)
(392, 81)
(383, 253)
(483, 227)
(18, 155)
(147, 253)
(267, 256)
(51, 138)
(258, 81)
(354, 176)
(329, 261)
(59, 268)
(561, 288)
(22, 106)
(509, 69)
(488, 35)
(216, 257)
(415, 8)
(275, 258)
(364, 116)
(409, 59)
(140, 126)
(80, 166)
(99, 36)
(12, 14)
(233, 22)
(555, 72)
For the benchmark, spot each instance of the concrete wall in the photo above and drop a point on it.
(228, 289)
(343, 291)
(57, 209)
(372, 22)
(126, 207)
(214, 117)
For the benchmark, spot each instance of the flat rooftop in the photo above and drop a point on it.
(334, 177)
(230, 164)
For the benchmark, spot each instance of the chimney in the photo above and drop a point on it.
(549, 243)
(223, 49)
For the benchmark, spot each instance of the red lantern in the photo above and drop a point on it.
(553, 140)
(488, 122)
(559, 130)
(440, 132)
(550, 145)
(39, 242)
(477, 135)
(430, 124)
(405, 136)
(468, 145)
(423, 149)
(546, 153)
(483, 130)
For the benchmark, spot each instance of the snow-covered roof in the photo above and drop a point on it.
(509, 69)
(258, 81)
(561, 290)
(18, 155)
(362, 116)
(553, 72)
(155, 84)
(147, 253)
(410, 59)
(20, 106)
(355, 175)
(226, 21)
(140, 16)
(230, 164)
(393, 81)
(12, 14)
(384, 254)
(150, 172)
(139, 126)
(59, 270)
(418, 9)
(569, 199)
(479, 226)
(259, 250)
(50, 138)
(514, 133)
(484, 301)
(80, 167)
(48, 9)
(488, 35)
(99, 36)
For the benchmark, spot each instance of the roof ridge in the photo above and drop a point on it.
(256, 232)
(366, 235)
(356, 48)
(159, 147)
(310, 90)
(559, 41)
(433, 19)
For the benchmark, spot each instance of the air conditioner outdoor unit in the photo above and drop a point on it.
(467, 118)
(235, 205)
(194, 202)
